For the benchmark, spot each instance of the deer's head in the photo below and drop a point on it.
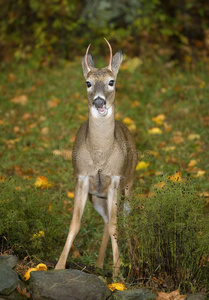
(101, 82)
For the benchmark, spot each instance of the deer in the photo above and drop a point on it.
(104, 158)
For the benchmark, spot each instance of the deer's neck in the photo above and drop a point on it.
(101, 130)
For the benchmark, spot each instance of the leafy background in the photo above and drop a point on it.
(162, 96)
(50, 29)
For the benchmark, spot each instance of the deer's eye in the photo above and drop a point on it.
(88, 84)
(111, 82)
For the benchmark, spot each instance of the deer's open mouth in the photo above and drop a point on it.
(102, 110)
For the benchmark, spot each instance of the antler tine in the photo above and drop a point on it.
(110, 62)
(86, 60)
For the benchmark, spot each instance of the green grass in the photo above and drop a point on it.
(30, 133)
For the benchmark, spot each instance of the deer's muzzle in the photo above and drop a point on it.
(99, 102)
(100, 105)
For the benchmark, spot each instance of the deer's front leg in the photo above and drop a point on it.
(112, 216)
(81, 193)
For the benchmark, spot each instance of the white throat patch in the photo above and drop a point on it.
(96, 114)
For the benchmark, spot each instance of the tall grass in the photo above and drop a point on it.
(167, 236)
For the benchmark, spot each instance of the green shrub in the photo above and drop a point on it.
(32, 220)
(167, 236)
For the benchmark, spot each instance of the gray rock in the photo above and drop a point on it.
(8, 260)
(8, 280)
(67, 285)
(14, 296)
(199, 296)
(137, 294)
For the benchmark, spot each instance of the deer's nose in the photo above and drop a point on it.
(99, 102)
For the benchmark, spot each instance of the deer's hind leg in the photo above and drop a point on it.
(100, 205)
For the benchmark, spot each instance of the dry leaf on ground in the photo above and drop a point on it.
(39, 267)
(128, 121)
(176, 177)
(175, 295)
(142, 165)
(159, 119)
(155, 130)
(200, 173)
(70, 194)
(117, 286)
(23, 292)
(39, 234)
(42, 182)
(22, 100)
(193, 136)
(192, 163)
(53, 103)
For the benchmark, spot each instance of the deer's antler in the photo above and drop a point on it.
(86, 60)
(110, 62)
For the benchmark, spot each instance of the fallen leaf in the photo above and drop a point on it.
(177, 138)
(23, 292)
(176, 177)
(26, 116)
(153, 153)
(39, 234)
(39, 267)
(200, 173)
(32, 125)
(155, 130)
(67, 154)
(2, 178)
(53, 103)
(42, 182)
(162, 296)
(45, 130)
(16, 129)
(169, 148)
(22, 100)
(57, 153)
(192, 163)
(70, 194)
(12, 142)
(175, 295)
(159, 119)
(204, 194)
(193, 136)
(117, 286)
(128, 121)
(142, 165)
(160, 185)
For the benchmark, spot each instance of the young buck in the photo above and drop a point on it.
(104, 157)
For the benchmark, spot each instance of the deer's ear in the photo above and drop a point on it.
(116, 62)
(90, 63)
